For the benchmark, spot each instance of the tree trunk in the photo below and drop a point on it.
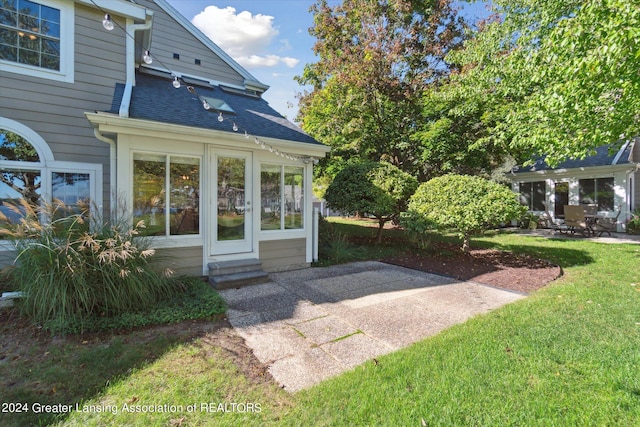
(465, 243)
(380, 227)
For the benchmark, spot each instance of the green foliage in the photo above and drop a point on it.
(333, 244)
(375, 59)
(456, 133)
(369, 188)
(76, 265)
(464, 203)
(198, 301)
(568, 70)
(633, 224)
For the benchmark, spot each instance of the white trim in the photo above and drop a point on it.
(620, 152)
(113, 124)
(123, 8)
(67, 47)
(38, 142)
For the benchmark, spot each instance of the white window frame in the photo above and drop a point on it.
(67, 42)
(47, 165)
(282, 228)
(167, 237)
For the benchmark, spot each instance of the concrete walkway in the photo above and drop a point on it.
(309, 325)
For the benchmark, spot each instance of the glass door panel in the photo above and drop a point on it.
(231, 204)
(231, 198)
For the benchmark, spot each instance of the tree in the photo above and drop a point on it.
(568, 69)
(371, 188)
(467, 204)
(456, 133)
(375, 59)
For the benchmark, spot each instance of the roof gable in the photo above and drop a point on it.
(178, 47)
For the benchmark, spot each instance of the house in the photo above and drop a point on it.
(607, 178)
(127, 103)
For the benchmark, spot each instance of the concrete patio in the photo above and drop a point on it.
(309, 325)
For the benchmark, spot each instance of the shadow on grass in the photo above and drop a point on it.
(37, 368)
(562, 252)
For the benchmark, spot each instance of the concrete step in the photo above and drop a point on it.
(236, 273)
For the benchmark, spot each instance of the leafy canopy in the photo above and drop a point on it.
(568, 69)
(374, 61)
(371, 188)
(467, 204)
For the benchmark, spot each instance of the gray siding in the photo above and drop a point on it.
(279, 255)
(55, 110)
(183, 261)
(170, 37)
(7, 258)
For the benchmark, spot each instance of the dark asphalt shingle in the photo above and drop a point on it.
(155, 98)
(602, 157)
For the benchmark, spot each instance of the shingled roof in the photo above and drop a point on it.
(154, 98)
(603, 157)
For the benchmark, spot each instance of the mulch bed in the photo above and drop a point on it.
(501, 269)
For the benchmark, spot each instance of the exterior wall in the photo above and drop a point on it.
(620, 176)
(183, 261)
(55, 110)
(170, 37)
(279, 255)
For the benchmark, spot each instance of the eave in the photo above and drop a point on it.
(108, 123)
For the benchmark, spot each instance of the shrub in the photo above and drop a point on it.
(378, 189)
(463, 203)
(633, 223)
(75, 264)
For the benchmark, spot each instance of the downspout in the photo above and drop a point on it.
(130, 60)
(112, 169)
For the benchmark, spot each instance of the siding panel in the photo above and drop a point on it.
(170, 37)
(278, 255)
(186, 261)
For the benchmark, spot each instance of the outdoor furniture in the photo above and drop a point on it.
(606, 225)
(590, 215)
(556, 224)
(575, 220)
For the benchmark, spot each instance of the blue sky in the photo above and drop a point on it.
(270, 38)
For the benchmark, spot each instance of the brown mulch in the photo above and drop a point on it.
(501, 269)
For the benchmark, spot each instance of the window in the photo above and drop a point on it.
(597, 191)
(282, 197)
(36, 38)
(166, 194)
(532, 195)
(28, 173)
(20, 174)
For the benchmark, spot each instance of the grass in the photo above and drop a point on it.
(566, 355)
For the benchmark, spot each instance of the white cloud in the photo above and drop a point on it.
(244, 36)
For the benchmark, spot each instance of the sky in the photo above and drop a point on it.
(270, 38)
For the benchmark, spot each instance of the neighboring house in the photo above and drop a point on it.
(608, 179)
(212, 169)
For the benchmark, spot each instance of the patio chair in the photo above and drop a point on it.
(590, 210)
(575, 220)
(556, 224)
(606, 225)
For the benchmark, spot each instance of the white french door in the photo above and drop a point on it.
(231, 209)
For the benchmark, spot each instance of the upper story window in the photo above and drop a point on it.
(36, 38)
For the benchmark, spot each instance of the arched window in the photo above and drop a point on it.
(20, 172)
(29, 172)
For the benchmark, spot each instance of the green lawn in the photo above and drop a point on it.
(567, 355)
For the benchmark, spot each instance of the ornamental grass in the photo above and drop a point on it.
(72, 263)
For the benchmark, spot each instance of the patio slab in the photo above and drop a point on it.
(309, 325)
